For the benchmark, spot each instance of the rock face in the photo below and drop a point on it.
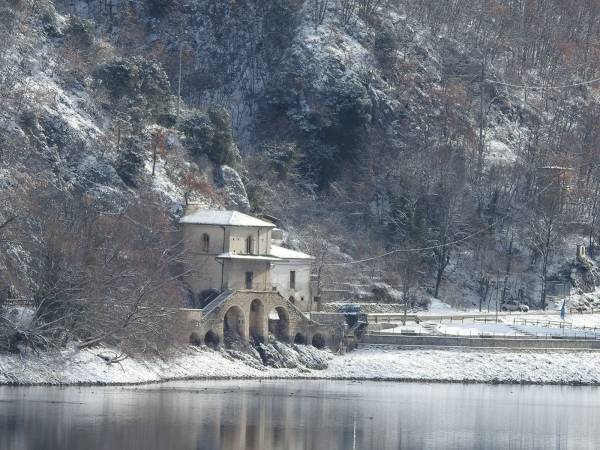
(232, 188)
(94, 172)
(100, 180)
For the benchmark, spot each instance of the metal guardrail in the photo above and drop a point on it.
(542, 323)
(554, 324)
(216, 301)
(477, 334)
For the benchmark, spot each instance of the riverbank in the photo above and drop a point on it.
(366, 363)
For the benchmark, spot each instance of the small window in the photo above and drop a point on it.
(205, 243)
(292, 279)
(249, 277)
(249, 249)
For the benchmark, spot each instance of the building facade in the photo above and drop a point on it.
(229, 250)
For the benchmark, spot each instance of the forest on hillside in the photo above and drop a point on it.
(445, 149)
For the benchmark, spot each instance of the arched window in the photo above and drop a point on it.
(205, 242)
(249, 242)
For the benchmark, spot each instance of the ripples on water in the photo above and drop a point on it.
(269, 415)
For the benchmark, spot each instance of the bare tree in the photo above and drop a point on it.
(112, 278)
(544, 234)
(158, 147)
(410, 273)
(319, 9)
(448, 228)
(367, 8)
(317, 242)
(348, 9)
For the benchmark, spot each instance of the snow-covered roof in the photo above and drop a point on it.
(215, 217)
(286, 253)
(230, 255)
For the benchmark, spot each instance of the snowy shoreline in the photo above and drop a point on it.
(368, 363)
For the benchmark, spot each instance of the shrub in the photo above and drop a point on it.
(50, 23)
(29, 120)
(137, 79)
(210, 134)
(386, 47)
(158, 8)
(130, 160)
(81, 31)
(282, 158)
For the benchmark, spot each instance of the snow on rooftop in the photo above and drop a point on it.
(230, 255)
(286, 253)
(215, 217)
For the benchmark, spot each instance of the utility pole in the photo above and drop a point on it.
(481, 117)
(179, 80)
(497, 293)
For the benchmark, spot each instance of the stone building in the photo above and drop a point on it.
(245, 284)
(229, 250)
(226, 250)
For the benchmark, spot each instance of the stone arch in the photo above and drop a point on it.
(233, 323)
(318, 340)
(257, 320)
(211, 339)
(299, 339)
(279, 323)
(195, 339)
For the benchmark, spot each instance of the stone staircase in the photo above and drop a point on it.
(214, 303)
(517, 329)
(431, 327)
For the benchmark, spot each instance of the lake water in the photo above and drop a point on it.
(320, 415)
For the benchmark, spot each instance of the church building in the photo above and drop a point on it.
(229, 250)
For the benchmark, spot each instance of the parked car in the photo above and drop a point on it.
(350, 308)
(514, 306)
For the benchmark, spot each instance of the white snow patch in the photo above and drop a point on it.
(476, 329)
(499, 152)
(45, 91)
(162, 182)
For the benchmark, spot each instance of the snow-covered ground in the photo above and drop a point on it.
(72, 366)
(378, 362)
(366, 363)
(513, 325)
(476, 329)
(437, 307)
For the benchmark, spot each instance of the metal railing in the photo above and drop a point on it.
(483, 335)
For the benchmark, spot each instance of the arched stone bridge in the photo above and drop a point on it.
(255, 314)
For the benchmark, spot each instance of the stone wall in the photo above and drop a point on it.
(255, 314)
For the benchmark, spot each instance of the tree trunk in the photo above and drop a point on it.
(438, 281)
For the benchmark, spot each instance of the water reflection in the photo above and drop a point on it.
(299, 415)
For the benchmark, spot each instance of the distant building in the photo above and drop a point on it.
(229, 250)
